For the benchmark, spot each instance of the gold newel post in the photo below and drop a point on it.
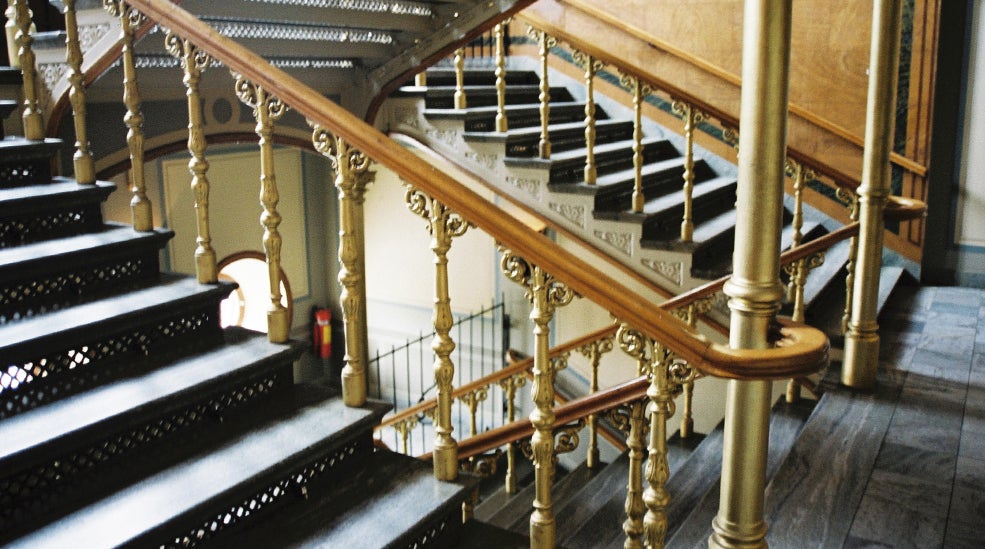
(443, 225)
(862, 338)
(546, 294)
(267, 109)
(755, 289)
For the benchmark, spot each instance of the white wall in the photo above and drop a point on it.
(969, 229)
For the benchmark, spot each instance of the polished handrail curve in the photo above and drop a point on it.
(800, 350)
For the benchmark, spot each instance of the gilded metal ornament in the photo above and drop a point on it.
(593, 351)
(84, 167)
(502, 124)
(352, 175)
(460, 99)
(692, 117)
(404, 428)
(32, 116)
(591, 66)
(472, 399)
(639, 90)
(443, 225)
(510, 386)
(545, 43)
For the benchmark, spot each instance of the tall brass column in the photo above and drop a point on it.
(755, 289)
(862, 338)
(443, 225)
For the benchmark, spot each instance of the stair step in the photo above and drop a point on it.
(71, 350)
(52, 210)
(483, 119)
(569, 166)
(661, 216)
(234, 485)
(691, 525)
(516, 516)
(523, 142)
(25, 162)
(479, 535)
(439, 76)
(392, 501)
(443, 97)
(44, 276)
(54, 452)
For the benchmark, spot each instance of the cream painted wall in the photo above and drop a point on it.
(969, 228)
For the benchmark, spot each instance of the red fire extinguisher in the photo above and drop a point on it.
(322, 332)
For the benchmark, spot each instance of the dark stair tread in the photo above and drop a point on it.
(828, 314)
(442, 76)
(385, 504)
(563, 490)
(203, 487)
(511, 509)
(85, 245)
(659, 205)
(578, 154)
(826, 274)
(133, 400)
(11, 76)
(692, 525)
(534, 132)
(61, 189)
(58, 328)
(492, 502)
(479, 535)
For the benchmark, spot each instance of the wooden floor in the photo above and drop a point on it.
(904, 465)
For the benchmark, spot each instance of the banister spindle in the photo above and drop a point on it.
(421, 79)
(460, 100)
(352, 175)
(472, 399)
(443, 225)
(852, 199)
(501, 121)
(640, 91)
(84, 169)
(690, 316)
(510, 386)
(140, 206)
(33, 124)
(267, 109)
(545, 43)
(193, 62)
(800, 175)
(591, 66)
(692, 117)
(593, 352)
(546, 294)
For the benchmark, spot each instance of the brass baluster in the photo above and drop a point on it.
(692, 117)
(351, 177)
(800, 175)
(591, 66)
(140, 207)
(193, 62)
(443, 226)
(84, 169)
(472, 399)
(421, 79)
(404, 428)
(639, 347)
(545, 43)
(33, 123)
(691, 313)
(500, 32)
(267, 109)
(10, 29)
(852, 200)
(798, 272)
(460, 100)
(640, 91)
(546, 294)
(593, 352)
(510, 386)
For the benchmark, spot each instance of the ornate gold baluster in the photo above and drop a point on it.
(193, 62)
(267, 109)
(404, 428)
(798, 272)
(510, 386)
(500, 31)
(800, 175)
(472, 399)
(640, 91)
(33, 123)
(591, 66)
(443, 226)
(545, 294)
(85, 171)
(421, 79)
(545, 42)
(10, 28)
(140, 207)
(460, 78)
(593, 352)
(634, 344)
(852, 200)
(691, 314)
(692, 117)
(351, 177)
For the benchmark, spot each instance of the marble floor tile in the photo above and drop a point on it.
(954, 342)
(952, 314)
(967, 512)
(972, 443)
(921, 464)
(901, 511)
(957, 295)
(859, 543)
(936, 364)
(914, 426)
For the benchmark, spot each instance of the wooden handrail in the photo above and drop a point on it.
(801, 350)
(716, 71)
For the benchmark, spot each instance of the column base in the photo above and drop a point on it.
(861, 359)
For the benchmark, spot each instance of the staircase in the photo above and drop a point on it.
(130, 418)
(601, 214)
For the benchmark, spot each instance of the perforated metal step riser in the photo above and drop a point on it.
(30, 379)
(37, 294)
(23, 229)
(315, 478)
(34, 494)
(18, 172)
